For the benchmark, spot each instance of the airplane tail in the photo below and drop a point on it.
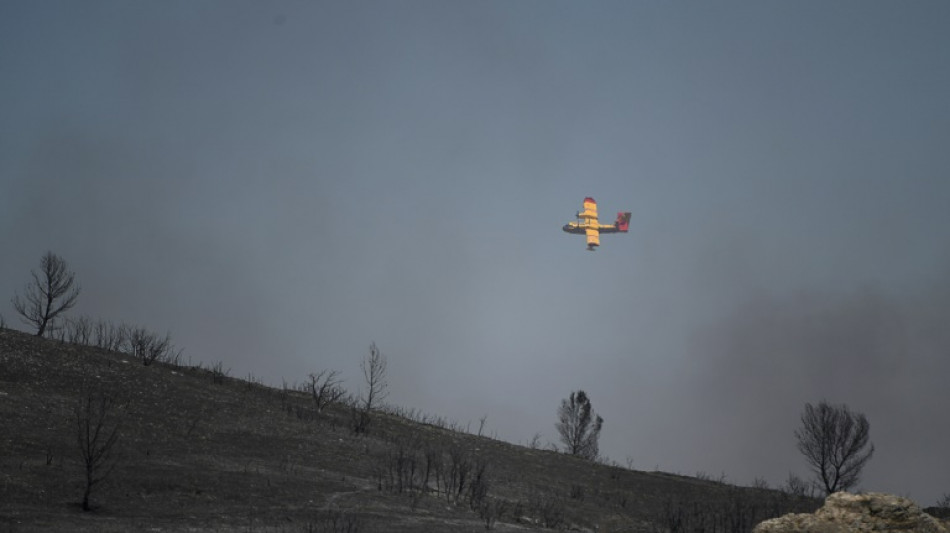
(623, 222)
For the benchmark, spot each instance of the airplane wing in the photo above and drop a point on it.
(586, 219)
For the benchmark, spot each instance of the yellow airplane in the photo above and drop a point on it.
(587, 224)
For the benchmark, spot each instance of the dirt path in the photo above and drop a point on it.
(332, 498)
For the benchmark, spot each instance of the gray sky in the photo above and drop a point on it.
(281, 184)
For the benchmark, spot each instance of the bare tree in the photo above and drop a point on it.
(833, 441)
(374, 373)
(325, 387)
(51, 293)
(97, 434)
(579, 426)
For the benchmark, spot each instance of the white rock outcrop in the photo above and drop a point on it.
(844, 513)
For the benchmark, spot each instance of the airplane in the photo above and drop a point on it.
(587, 224)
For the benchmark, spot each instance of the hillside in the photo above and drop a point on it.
(198, 451)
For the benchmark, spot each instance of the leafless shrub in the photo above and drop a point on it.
(548, 508)
(619, 498)
(613, 464)
(798, 487)
(139, 344)
(303, 414)
(456, 475)
(218, 373)
(433, 467)
(411, 466)
(172, 357)
(359, 420)
(56, 329)
(325, 388)
(409, 413)
(577, 492)
(535, 442)
(52, 437)
(683, 515)
(833, 441)
(108, 336)
(404, 467)
(135, 341)
(51, 293)
(944, 501)
(480, 483)
(417, 415)
(253, 382)
(97, 432)
(760, 483)
(481, 424)
(284, 395)
(400, 469)
(3, 322)
(414, 467)
(195, 418)
(702, 475)
(730, 511)
(335, 521)
(149, 347)
(490, 510)
(79, 330)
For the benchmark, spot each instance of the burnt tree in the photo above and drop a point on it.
(835, 442)
(51, 293)
(579, 426)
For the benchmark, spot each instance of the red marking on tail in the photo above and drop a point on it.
(623, 221)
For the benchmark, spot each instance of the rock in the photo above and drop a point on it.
(845, 513)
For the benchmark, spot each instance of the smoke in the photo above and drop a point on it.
(881, 352)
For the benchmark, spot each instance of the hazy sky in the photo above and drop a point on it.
(279, 184)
